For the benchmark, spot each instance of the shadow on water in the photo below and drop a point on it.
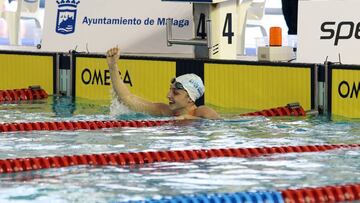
(67, 106)
(64, 106)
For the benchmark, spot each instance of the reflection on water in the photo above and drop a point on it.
(111, 183)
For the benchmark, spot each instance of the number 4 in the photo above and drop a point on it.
(227, 30)
(201, 32)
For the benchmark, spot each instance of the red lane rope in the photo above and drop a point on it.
(289, 110)
(22, 94)
(337, 193)
(132, 158)
(77, 125)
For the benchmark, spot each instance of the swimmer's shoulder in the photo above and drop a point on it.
(161, 109)
(206, 112)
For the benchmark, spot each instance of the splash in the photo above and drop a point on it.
(118, 108)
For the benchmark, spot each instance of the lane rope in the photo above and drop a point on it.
(292, 109)
(325, 194)
(139, 158)
(31, 93)
(78, 125)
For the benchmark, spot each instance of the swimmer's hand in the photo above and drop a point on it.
(112, 56)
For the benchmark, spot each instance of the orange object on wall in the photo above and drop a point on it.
(275, 36)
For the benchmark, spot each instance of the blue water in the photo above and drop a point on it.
(112, 184)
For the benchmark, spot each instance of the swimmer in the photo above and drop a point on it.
(184, 91)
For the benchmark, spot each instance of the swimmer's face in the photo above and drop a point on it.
(178, 97)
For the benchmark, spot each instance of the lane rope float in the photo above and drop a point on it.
(138, 158)
(78, 125)
(293, 109)
(324, 194)
(31, 93)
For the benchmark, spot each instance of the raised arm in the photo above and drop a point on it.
(124, 95)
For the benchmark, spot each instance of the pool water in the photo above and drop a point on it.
(156, 180)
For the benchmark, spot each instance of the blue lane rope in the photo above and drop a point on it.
(238, 197)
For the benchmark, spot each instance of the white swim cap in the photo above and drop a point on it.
(192, 84)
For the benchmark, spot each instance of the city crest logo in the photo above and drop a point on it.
(66, 16)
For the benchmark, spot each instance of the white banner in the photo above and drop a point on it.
(329, 29)
(137, 26)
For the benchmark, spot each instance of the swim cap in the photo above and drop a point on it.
(192, 84)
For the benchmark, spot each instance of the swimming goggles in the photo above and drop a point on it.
(177, 85)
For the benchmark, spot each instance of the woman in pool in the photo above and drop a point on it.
(184, 91)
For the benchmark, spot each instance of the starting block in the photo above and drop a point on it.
(216, 32)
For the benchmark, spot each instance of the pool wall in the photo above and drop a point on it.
(23, 69)
(231, 85)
